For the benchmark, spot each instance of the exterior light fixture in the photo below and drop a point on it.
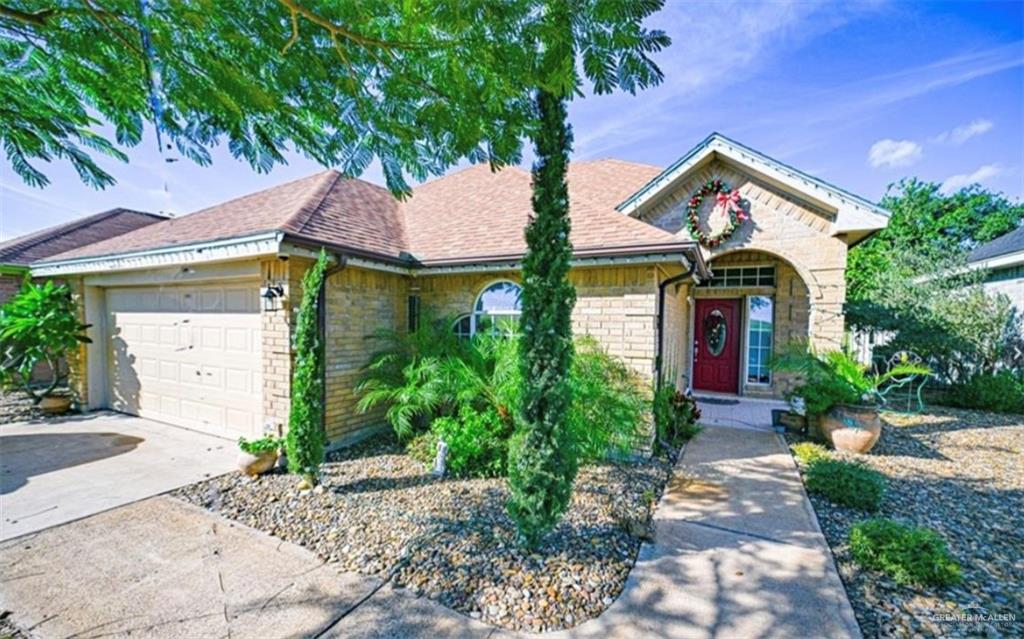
(271, 297)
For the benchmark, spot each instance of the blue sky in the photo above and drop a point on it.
(859, 94)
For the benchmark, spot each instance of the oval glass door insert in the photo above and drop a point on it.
(715, 332)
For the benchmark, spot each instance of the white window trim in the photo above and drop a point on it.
(746, 343)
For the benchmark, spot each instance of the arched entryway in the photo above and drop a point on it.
(756, 303)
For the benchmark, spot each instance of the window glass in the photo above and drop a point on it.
(737, 276)
(759, 339)
(463, 327)
(497, 310)
(715, 332)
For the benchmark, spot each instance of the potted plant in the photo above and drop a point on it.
(258, 456)
(39, 328)
(841, 395)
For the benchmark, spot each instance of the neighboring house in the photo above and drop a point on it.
(193, 317)
(1003, 258)
(17, 253)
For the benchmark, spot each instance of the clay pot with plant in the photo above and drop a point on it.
(258, 456)
(841, 395)
(39, 329)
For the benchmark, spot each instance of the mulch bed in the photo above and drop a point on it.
(960, 473)
(379, 512)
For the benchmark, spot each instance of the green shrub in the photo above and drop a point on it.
(1002, 392)
(423, 448)
(477, 443)
(675, 417)
(846, 483)
(836, 377)
(809, 452)
(609, 403)
(305, 439)
(909, 554)
(419, 381)
(259, 446)
(38, 325)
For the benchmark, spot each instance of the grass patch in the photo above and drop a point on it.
(808, 452)
(908, 554)
(846, 483)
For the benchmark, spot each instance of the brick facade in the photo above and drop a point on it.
(359, 303)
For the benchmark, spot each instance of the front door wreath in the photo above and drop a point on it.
(727, 201)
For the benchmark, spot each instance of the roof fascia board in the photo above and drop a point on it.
(515, 265)
(13, 269)
(217, 250)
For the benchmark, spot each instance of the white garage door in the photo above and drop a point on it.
(187, 355)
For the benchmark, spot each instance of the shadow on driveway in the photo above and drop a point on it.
(25, 456)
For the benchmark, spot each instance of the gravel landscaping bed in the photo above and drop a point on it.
(18, 407)
(962, 474)
(380, 512)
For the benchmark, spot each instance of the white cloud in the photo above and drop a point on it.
(894, 153)
(961, 134)
(959, 181)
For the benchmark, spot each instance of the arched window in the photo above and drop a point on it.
(497, 309)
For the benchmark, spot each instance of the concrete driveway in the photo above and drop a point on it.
(57, 471)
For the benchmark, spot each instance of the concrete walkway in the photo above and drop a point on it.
(737, 553)
(58, 470)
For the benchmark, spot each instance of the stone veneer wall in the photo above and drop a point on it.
(783, 226)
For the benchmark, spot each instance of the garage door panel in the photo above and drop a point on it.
(194, 362)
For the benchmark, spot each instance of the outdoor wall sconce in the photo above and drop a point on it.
(271, 297)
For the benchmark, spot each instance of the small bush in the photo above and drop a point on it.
(423, 448)
(675, 417)
(846, 483)
(1001, 392)
(477, 443)
(808, 452)
(259, 446)
(909, 554)
(609, 403)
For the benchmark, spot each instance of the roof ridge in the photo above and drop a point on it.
(298, 220)
(25, 242)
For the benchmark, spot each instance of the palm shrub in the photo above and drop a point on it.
(909, 554)
(482, 376)
(836, 377)
(38, 325)
(305, 440)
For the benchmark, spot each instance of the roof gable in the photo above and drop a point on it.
(853, 215)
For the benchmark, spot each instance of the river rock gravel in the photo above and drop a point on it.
(960, 473)
(379, 512)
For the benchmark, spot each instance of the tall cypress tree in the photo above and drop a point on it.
(542, 458)
(305, 439)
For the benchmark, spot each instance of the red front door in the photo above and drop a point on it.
(716, 346)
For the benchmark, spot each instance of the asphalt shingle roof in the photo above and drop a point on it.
(1008, 243)
(66, 237)
(474, 213)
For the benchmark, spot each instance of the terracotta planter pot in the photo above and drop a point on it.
(854, 429)
(55, 405)
(254, 465)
